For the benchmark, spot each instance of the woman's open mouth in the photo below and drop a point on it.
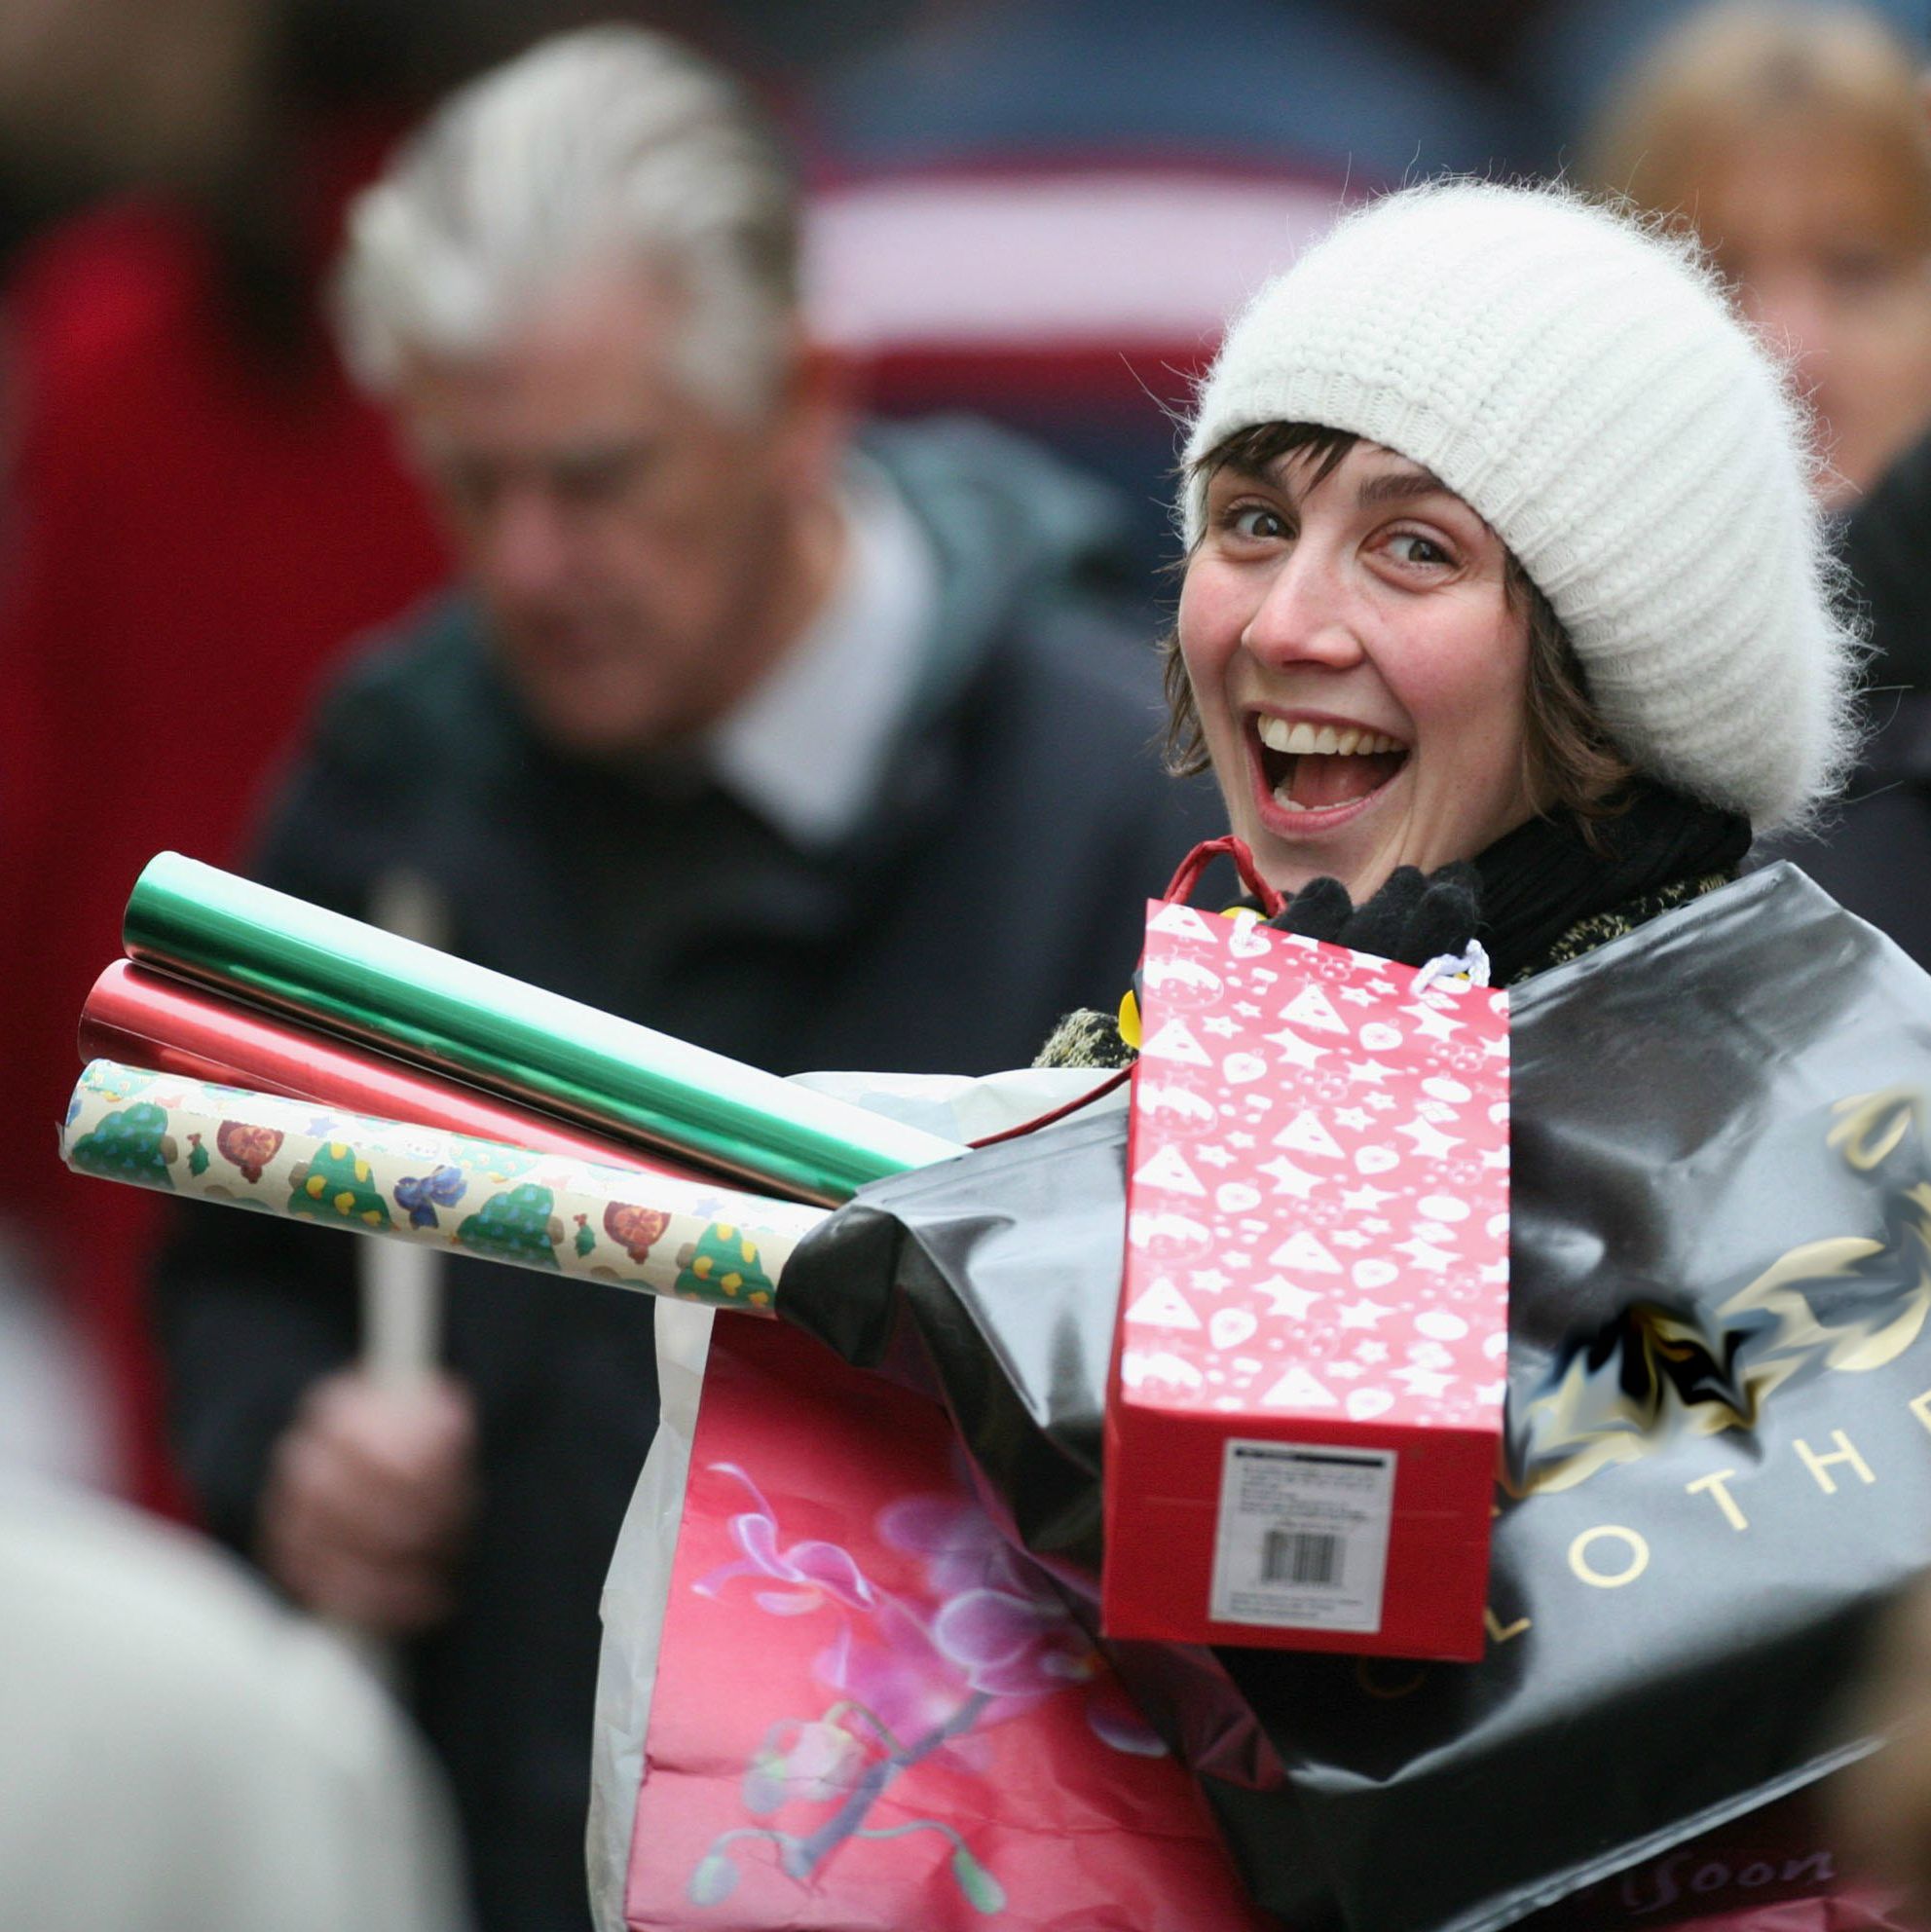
(1320, 771)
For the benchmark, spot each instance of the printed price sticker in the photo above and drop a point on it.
(1302, 1540)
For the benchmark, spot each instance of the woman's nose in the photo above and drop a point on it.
(1306, 614)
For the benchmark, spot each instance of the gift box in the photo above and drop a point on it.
(1305, 1401)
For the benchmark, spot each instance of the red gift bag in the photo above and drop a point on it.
(1306, 1404)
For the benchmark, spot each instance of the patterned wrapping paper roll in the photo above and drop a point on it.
(513, 1038)
(146, 1019)
(549, 1213)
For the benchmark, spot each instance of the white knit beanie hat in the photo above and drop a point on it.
(1584, 386)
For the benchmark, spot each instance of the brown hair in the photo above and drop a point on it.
(1569, 763)
(1736, 68)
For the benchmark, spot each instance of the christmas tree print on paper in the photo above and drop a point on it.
(198, 1156)
(521, 1226)
(586, 1236)
(722, 1265)
(134, 1145)
(250, 1148)
(336, 1187)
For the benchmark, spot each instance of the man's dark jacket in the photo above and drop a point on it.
(999, 880)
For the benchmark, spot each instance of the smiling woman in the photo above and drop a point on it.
(1505, 614)
(1502, 556)
(1358, 667)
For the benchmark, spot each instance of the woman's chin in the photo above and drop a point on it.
(1288, 865)
(1364, 842)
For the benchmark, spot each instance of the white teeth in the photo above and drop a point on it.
(1305, 740)
(1287, 803)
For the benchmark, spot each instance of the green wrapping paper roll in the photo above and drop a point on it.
(231, 933)
(550, 1213)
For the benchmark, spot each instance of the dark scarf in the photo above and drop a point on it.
(1544, 878)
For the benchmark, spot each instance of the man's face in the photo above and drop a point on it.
(638, 554)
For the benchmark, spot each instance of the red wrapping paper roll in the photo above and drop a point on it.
(146, 1019)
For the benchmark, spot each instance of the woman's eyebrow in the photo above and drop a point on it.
(1399, 486)
(1249, 472)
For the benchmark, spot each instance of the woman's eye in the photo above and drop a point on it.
(1409, 547)
(1255, 520)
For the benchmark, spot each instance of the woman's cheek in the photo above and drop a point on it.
(1215, 604)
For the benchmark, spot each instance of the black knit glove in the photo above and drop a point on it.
(1412, 918)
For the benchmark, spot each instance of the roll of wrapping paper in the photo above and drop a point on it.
(513, 1038)
(146, 1019)
(553, 1214)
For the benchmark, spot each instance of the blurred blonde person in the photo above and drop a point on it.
(1793, 139)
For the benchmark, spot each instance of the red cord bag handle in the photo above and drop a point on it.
(1179, 887)
(1182, 883)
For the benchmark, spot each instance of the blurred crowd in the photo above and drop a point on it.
(728, 677)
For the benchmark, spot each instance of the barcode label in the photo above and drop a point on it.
(1293, 1556)
(1302, 1538)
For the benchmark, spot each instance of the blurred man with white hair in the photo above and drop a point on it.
(818, 755)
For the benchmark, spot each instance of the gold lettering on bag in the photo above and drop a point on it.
(1635, 1543)
(1715, 1484)
(1920, 1408)
(1500, 1632)
(1820, 1467)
